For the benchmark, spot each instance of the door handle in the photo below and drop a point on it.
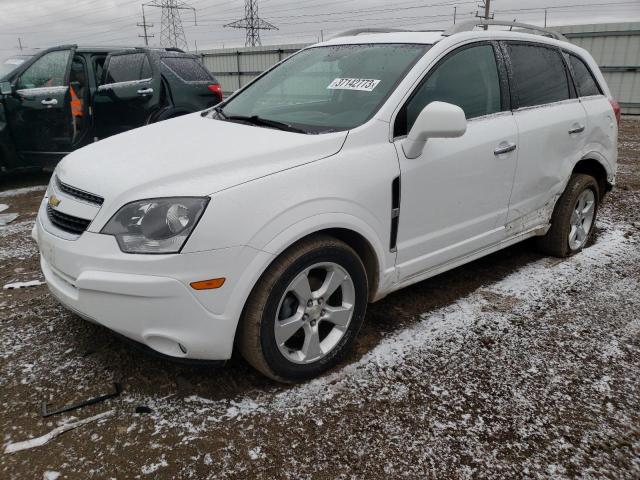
(49, 102)
(145, 91)
(504, 147)
(576, 129)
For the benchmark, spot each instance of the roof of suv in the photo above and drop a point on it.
(462, 30)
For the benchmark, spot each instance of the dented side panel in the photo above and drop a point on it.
(547, 155)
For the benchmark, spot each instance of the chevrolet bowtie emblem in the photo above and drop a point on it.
(54, 201)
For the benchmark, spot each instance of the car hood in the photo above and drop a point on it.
(189, 156)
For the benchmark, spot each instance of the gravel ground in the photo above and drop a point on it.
(514, 366)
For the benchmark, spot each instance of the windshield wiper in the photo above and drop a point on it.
(265, 122)
(220, 112)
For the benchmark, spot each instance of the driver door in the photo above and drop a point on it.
(39, 108)
(129, 94)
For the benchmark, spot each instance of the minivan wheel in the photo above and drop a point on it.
(305, 311)
(573, 218)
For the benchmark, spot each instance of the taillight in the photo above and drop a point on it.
(217, 89)
(616, 110)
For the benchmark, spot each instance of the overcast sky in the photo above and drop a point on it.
(44, 23)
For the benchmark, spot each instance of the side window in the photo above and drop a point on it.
(188, 69)
(467, 78)
(539, 75)
(128, 68)
(48, 71)
(585, 83)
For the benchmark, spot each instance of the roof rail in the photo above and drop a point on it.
(358, 31)
(471, 24)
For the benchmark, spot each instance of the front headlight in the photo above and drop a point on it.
(158, 225)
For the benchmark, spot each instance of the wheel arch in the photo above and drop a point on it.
(360, 238)
(593, 166)
(360, 245)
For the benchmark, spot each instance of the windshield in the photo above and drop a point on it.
(325, 89)
(10, 64)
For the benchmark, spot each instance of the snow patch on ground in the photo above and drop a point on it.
(21, 191)
(154, 467)
(7, 218)
(529, 287)
(18, 285)
(15, 241)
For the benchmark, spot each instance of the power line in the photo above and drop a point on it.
(252, 24)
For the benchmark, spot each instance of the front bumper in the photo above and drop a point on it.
(147, 297)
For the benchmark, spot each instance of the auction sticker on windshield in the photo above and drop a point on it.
(362, 84)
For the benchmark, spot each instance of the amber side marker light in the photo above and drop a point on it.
(208, 284)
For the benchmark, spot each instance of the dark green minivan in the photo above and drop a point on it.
(63, 98)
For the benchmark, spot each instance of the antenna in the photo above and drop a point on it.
(171, 30)
(252, 23)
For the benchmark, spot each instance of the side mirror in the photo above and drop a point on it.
(6, 88)
(436, 120)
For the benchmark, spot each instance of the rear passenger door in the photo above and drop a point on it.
(129, 94)
(600, 125)
(551, 130)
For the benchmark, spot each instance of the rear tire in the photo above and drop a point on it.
(573, 219)
(305, 311)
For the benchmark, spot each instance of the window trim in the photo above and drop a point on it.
(515, 104)
(573, 75)
(18, 78)
(505, 105)
(110, 58)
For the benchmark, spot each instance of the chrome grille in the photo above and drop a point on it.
(66, 222)
(79, 194)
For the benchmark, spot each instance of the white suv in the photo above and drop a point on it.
(352, 169)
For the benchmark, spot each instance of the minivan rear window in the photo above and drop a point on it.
(188, 69)
(539, 75)
(585, 83)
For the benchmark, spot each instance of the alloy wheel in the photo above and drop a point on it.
(314, 312)
(582, 219)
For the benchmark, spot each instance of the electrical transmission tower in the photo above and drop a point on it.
(252, 23)
(171, 30)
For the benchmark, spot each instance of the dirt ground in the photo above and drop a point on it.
(514, 366)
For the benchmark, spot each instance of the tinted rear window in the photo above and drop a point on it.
(188, 69)
(127, 68)
(539, 75)
(585, 83)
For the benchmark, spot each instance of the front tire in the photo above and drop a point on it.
(574, 218)
(305, 311)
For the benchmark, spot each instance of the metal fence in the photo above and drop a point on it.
(615, 46)
(235, 67)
